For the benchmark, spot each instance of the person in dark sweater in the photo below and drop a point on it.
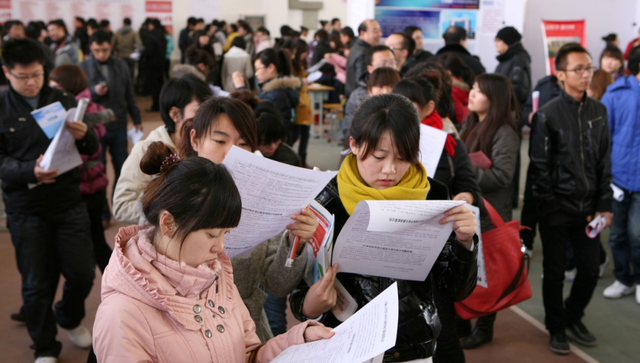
(272, 135)
(48, 223)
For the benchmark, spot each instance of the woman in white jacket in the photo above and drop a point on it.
(236, 60)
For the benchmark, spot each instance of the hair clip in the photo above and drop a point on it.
(169, 160)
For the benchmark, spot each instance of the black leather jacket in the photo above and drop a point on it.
(454, 275)
(570, 152)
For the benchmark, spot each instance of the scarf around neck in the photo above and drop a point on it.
(414, 185)
(434, 120)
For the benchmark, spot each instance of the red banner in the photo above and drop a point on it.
(555, 34)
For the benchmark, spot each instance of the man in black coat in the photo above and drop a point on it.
(369, 34)
(515, 62)
(455, 41)
(570, 152)
(153, 60)
(185, 37)
(48, 223)
(111, 86)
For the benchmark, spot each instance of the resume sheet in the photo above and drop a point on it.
(364, 336)
(271, 192)
(431, 147)
(399, 239)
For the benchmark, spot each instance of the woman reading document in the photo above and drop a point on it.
(383, 165)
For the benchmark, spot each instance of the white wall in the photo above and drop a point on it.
(602, 17)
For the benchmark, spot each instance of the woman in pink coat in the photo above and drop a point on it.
(168, 293)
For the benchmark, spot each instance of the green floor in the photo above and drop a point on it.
(616, 323)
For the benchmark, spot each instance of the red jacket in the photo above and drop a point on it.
(460, 95)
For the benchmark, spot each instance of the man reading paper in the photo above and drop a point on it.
(49, 223)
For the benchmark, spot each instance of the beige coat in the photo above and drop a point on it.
(235, 60)
(132, 180)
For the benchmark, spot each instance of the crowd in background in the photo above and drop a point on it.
(252, 88)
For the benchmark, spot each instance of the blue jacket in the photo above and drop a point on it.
(622, 99)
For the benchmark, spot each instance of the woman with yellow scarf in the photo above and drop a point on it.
(384, 165)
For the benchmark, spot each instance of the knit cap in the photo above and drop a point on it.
(509, 35)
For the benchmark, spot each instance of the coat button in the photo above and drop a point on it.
(208, 333)
(211, 303)
(220, 328)
(197, 309)
(221, 309)
(198, 318)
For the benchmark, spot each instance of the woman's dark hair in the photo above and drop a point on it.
(234, 28)
(239, 42)
(239, 113)
(383, 77)
(634, 60)
(60, 23)
(267, 107)
(338, 46)
(418, 90)
(613, 52)
(348, 32)
(322, 35)
(70, 77)
(503, 103)
(299, 63)
(599, 83)
(195, 56)
(408, 31)
(198, 193)
(271, 129)
(179, 92)
(458, 68)
(247, 96)
(392, 113)
(440, 80)
(280, 58)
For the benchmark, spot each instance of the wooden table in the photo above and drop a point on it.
(318, 94)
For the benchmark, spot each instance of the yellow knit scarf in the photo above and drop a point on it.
(414, 185)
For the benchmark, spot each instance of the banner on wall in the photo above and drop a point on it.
(555, 34)
(441, 4)
(395, 20)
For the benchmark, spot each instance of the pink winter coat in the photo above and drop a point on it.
(157, 310)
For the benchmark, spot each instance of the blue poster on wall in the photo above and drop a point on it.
(440, 4)
(395, 20)
(462, 18)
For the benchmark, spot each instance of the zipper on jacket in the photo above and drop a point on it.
(584, 174)
(594, 120)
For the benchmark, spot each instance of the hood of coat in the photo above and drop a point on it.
(138, 271)
(282, 83)
(125, 30)
(515, 49)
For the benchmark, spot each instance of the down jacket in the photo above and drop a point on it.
(454, 275)
(157, 310)
(282, 92)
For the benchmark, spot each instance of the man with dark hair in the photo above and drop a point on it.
(185, 35)
(245, 31)
(111, 86)
(106, 26)
(48, 223)
(92, 26)
(402, 46)
(80, 34)
(304, 31)
(377, 57)
(621, 99)
(65, 48)
(336, 27)
(15, 30)
(125, 42)
(455, 41)
(571, 173)
(369, 34)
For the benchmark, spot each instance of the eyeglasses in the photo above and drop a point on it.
(391, 64)
(26, 77)
(580, 71)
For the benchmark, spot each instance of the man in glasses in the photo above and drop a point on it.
(48, 223)
(402, 46)
(570, 152)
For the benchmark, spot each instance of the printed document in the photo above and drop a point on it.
(50, 118)
(399, 239)
(431, 147)
(271, 192)
(366, 335)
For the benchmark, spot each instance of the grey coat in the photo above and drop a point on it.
(356, 65)
(496, 183)
(264, 269)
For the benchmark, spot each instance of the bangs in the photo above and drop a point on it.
(379, 123)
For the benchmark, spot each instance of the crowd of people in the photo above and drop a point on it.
(170, 293)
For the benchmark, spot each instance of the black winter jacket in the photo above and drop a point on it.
(474, 63)
(570, 152)
(282, 92)
(515, 64)
(454, 275)
(155, 50)
(21, 143)
(549, 88)
(457, 173)
(356, 65)
(120, 96)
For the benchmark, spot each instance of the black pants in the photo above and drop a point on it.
(302, 132)
(95, 206)
(448, 348)
(556, 231)
(529, 215)
(47, 246)
(153, 80)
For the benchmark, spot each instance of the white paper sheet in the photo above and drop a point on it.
(135, 135)
(317, 66)
(394, 238)
(482, 271)
(366, 335)
(271, 192)
(431, 147)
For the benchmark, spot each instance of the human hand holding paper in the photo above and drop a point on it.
(464, 223)
(317, 331)
(322, 295)
(44, 176)
(304, 226)
(77, 129)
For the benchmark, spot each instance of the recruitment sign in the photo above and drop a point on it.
(555, 34)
